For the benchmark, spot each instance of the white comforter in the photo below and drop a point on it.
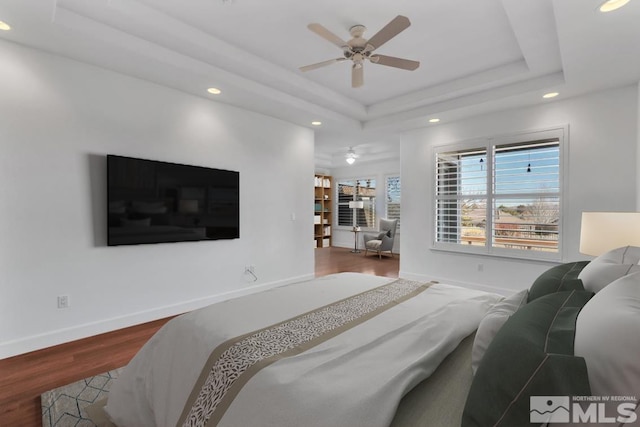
(354, 379)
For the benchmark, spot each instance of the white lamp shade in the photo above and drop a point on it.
(603, 231)
(356, 205)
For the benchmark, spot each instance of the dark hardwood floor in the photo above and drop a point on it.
(339, 260)
(23, 378)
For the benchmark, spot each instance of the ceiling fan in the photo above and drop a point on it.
(358, 48)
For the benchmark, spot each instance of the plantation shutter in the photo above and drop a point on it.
(357, 190)
(346, 191)
(526, 195)
(501, 196)
(461, 195)
(366, 192)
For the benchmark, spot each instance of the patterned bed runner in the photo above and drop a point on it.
(233, 363)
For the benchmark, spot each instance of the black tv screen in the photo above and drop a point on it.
(156, 202)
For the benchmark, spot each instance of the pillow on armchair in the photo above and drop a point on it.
(384, 234)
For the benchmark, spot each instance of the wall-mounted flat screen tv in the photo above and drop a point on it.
(156, 202)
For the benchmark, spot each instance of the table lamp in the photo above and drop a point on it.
(601, 232)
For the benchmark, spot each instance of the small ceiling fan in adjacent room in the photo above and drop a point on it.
(359, 49)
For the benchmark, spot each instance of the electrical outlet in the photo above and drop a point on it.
(63, 301)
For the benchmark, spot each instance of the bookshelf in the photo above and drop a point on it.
(323, 204)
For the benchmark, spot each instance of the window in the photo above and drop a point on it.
(393, 198)
(502, 196)
(353, 190)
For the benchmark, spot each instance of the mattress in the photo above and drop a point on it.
(353, 375)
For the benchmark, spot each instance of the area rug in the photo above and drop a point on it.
(66, 406)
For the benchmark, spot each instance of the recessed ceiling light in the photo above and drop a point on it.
(611, 5)
(550, 95)
(316, 123)
(4, 26)
(434, 120)
(214, 90)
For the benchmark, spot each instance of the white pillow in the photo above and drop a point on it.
(608, 337)
(610, 266)
(492, 322)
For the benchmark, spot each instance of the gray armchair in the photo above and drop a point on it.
(381, 241)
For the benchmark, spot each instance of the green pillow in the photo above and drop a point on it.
(563, 277)
(531, 355)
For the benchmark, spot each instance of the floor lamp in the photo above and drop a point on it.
(601, 232)
(355, 205)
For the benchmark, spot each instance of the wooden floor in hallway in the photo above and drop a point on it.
(338, 260)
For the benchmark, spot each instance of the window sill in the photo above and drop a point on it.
(519, 255)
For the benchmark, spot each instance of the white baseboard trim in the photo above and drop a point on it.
(61, 336)
(342, 245)
(478, 286)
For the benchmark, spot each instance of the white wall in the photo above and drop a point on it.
(58, 120)
(601, 176)
(638, 156)
(343, 236)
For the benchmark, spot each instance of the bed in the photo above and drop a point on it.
(340, 350)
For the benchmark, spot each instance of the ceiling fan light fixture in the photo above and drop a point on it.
(611, 5)
(351, 156)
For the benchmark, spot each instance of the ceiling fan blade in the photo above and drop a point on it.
(321, 64)
(357, 75)
(328, 35)
(392, 61)
(392, 29)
